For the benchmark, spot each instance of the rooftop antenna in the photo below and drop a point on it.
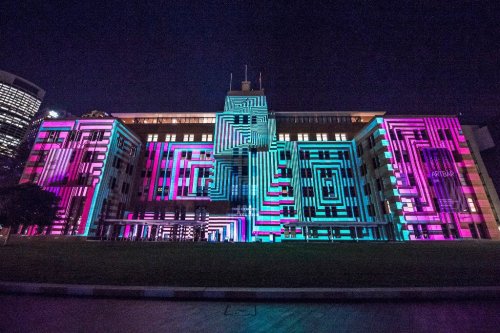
(231, 82)
(246, 69)
(260, 80)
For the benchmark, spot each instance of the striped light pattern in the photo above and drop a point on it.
(87, 163)
(419, 155)
(176, 171)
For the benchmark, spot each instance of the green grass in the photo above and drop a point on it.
(459, 263)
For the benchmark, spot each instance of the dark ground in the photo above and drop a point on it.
(55, 314)
(461, 263)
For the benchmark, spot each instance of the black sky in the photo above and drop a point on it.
(427, 57)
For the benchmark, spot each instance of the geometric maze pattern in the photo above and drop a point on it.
(402, 178)
(436, 178)
(176, 171)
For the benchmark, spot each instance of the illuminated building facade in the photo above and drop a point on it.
(89, 164)
(247, 174)
(19, 101)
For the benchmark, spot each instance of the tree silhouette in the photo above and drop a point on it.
(27, 205)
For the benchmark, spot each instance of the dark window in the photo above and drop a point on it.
(237, 119)
(406, 157)
(112, 183)
(397, 155)
(306, 172)
(96, 135)
(440, 134)
(245, 119)
(352, 191)
(348, 210)
(349, 173)
(367, 189)
(448, 134)
(356, 211)
(74, 135)
(371, 210)
(360, 150)
(304, 155)
(411, 179)
(380, 184)
(308, 191)
(309, 211)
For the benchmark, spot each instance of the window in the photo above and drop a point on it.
(304, 155)
(284, 137)
(324, 155)
(472, 206)
(307, 191)
(328, 191)
(321, 137)
(152, 137)
(286, 173)
(360, 150)
(96, 135)
(367, 189)
(288, 211)
(371, 141)
(287, 191)
(53, 136)
(188, 137)
(74, 136)
(170, 137)
(206, 137)
(306, 172)
(120, 142)
(330, 211)
(303, 137)
(309, 211)
(340, 137)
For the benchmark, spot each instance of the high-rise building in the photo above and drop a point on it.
(19, 102)
(247, 174)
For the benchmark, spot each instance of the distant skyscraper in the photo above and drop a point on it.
(19, 101)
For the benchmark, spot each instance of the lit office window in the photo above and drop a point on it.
(340, 137)
(284, 137)
(321, 137)
(152, 137)
(188, 137)
(472, 206)
(206, 137)
(170, 137)
(303, 137)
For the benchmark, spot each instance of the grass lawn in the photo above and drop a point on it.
(460, 263)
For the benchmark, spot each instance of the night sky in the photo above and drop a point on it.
(416, 57)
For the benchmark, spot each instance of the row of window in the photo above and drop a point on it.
(206, 137)
(331, 211)
(319, 137)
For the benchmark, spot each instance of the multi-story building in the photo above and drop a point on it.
(19, 101)
(88, 163)
(247, 174)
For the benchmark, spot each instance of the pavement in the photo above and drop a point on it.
(254, 294)
(40, 314)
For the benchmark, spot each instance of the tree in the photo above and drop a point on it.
(27, 204)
